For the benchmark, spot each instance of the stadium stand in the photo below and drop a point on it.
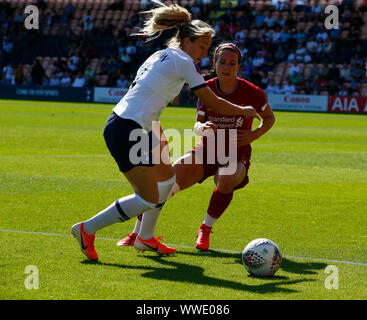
(285, 44)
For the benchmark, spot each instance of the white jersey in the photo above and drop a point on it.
(158, 81)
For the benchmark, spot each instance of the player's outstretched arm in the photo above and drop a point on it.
(245, 137)
(223, 106)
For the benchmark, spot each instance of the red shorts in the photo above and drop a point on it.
(212, 168)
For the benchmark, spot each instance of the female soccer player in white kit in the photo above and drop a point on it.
(158, 81)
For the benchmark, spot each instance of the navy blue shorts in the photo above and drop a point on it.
(118, 134)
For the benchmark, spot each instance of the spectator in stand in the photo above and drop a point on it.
(299, 35)
(79, 81)
(19, 74)
(307, 58)
(68, 12)
(247, 68)
(333, 72)
(280, 54)
(291, 58)
(284, 35)
(195, 10)
(18, 17)
(7, 48)
(73, 63)
(276, 36)
(89, 82)
(130, 49)
(125, 57)
(269, 20)
(37, 73)
(332, 88)
(88, 17)
(87, 25)
(323, 35)
(300, 6)
(295, 78)
(65, 80)
(316, 8)
(287, 87)
(344, 91)
(272, 87)
(122, 82)
(8, 72)
(279, 5)
(320, 50)
(54, 80)
(328, 48)
(359, 72)
(205, 63)
(89, 72)
(259, 19)
(240, 37)
(243, 50)
(311, 46)
(259, 60)
(300, 52)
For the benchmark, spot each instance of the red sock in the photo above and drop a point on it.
(219, 203)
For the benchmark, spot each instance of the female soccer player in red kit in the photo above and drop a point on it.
(194, 167)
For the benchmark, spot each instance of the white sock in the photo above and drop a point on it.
(209, 220)
(137, 226)
(148, 223)
(145, 234)
(119, 211)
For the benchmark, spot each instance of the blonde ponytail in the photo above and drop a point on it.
(173, 16)
(163, 17)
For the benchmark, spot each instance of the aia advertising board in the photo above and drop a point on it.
(347, 104)
(318, 103)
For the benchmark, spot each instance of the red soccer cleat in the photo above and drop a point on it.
(153, 245)
(202, 237)
(128, 241)
(85, 240)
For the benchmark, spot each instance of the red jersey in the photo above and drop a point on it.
(246, 94)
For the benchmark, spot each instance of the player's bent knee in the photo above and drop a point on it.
(164, 189)
(226, 185)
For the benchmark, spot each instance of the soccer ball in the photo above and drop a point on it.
(261, 257)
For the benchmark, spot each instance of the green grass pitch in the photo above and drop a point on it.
(307, 192)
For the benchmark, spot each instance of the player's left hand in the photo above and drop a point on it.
(245, 137)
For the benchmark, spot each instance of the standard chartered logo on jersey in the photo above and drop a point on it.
(170, 144)
(239, 122)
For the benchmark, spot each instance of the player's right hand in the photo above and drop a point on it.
(209, 125)
(250, 112)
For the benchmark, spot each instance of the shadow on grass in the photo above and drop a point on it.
(187, 273)
(287, 265)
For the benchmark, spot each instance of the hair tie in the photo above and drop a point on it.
(230, 48)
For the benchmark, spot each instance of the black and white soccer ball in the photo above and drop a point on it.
(262, 257)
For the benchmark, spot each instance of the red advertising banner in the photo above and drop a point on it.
(347, 104)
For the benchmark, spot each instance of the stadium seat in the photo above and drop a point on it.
(100, 15)
(80, 5)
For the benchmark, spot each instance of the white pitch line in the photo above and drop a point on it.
(190, 247)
